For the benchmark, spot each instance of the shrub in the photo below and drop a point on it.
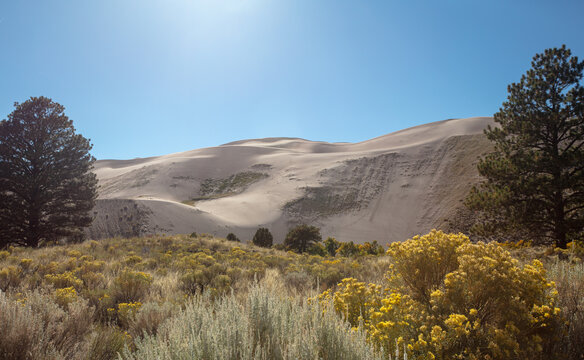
(317, 249)
(65, 296)
(108, 343)
(37, 328)
(264, 326)
(232, 237)
(450, 299)
(149, 317)
(132, 260)
(348, 249)
(570, 284)
(263, 237)
(10, 277)
(127, 313)
(194, 281)
(130, 286)
(423, 261)
(64, 280)
(371, 248)
(331, 245)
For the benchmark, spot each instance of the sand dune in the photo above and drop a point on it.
(387, 188)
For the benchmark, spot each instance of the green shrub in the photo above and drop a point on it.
(331, 245)
(232, 237)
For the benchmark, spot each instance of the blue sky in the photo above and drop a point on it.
(143, 78)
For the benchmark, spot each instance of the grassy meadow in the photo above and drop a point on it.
(198, 297)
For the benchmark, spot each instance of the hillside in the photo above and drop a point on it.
(385, 189)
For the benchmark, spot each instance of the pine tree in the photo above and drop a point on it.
(263, 237)
(46, 185)
(300, 238)
(535, 176)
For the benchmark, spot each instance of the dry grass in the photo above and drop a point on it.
(100, 299)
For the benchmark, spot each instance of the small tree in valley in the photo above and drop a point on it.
(300, 238)
(263, 237)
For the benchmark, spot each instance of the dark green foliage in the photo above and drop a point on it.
(302, 237)
(193, 234)
(46, 185)
(535, 177)
(317, 249)
(263, 237)
(232, 237)
(331, 245)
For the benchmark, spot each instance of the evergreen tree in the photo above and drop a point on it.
(263, 237)
(232, 237)
(300, 238)
(46, 185)
(535, 176)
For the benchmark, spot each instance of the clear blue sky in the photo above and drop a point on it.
(151, 77)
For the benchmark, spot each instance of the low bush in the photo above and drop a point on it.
(130, 286)
(232, 237)
(264, 326)
(446, 298)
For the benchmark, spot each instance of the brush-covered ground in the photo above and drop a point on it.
(197, 297)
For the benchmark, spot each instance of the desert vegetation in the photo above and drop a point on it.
(162, 297)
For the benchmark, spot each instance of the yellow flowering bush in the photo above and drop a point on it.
(74, 253)
(354, 300)
(421, 263)
(127, 312)
(9, 277)
(130, 286)
(447, 298)
(65, 296)
(132, 259)
(66, 279)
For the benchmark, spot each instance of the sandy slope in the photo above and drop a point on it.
(384, 189)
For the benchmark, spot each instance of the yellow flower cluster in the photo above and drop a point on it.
(129, 309)
(66, 279)
(447, 299)
(65, 296)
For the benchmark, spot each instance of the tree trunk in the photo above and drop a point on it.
(560, 233)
